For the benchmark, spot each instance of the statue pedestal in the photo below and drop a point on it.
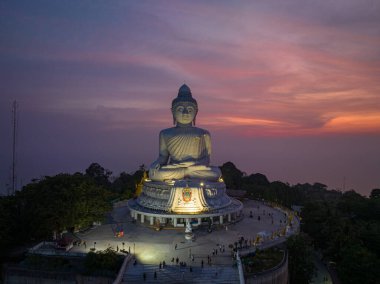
(184, 196)
(172, 202)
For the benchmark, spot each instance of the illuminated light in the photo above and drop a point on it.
(201, 184)
(188, 200)
(221, 180)
(169, 181)
(147, 179)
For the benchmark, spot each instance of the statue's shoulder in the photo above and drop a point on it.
(201, 131)
(167, 132)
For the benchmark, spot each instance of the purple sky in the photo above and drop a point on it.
(287, 88)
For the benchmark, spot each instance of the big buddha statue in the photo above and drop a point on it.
(182, 187)
(184, 150)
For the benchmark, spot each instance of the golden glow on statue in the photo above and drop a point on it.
(181, 180)
(188, 200)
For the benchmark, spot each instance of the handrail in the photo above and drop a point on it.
(122, 269)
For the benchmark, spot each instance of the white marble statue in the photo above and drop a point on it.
(184, 150)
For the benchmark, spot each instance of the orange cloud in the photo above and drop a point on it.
(358, 123)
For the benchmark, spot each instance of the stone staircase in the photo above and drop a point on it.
(175, 274)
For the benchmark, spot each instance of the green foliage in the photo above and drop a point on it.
(7, 225)
(375, 193)
(358, 265)
(258, 187)
(262, 260)
(57, 203)
(347, 231)
(99, 174)
(301, 266)
(125, 184)
(106, 262)
(232, 176)
(60, 202)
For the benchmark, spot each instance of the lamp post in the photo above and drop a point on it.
(123, 245)
(134, 248)
(94, 244)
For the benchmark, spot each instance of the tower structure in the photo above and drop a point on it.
(14, 143)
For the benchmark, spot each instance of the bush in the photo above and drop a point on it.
(103, 263)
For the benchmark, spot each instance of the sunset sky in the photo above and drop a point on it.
(287, 88)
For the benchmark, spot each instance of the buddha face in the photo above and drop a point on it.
(184, 113)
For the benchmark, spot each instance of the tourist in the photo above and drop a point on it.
(175, 247)
(144, 276)
(155, 274)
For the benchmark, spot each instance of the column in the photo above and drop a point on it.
(175, 222)
(221, 219)
(199, 221)
(229, 217)
(142, 218)
(151, 220)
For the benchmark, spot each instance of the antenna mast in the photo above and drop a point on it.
(14, 123)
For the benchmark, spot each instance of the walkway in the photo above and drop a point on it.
(175, 274)
(152, 247)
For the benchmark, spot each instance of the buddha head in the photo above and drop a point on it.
(184, 107)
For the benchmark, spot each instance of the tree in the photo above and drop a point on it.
(105, 262)
(301, 266)
(99, 174)
(358, 265)
(123, 183)
(7, 223)
(59, 202)
(375, 193)
(232, 176)
(256, 179)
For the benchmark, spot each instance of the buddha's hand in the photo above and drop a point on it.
(196, 168)
(186, 164)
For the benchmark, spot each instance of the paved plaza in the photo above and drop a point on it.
(153, 247)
